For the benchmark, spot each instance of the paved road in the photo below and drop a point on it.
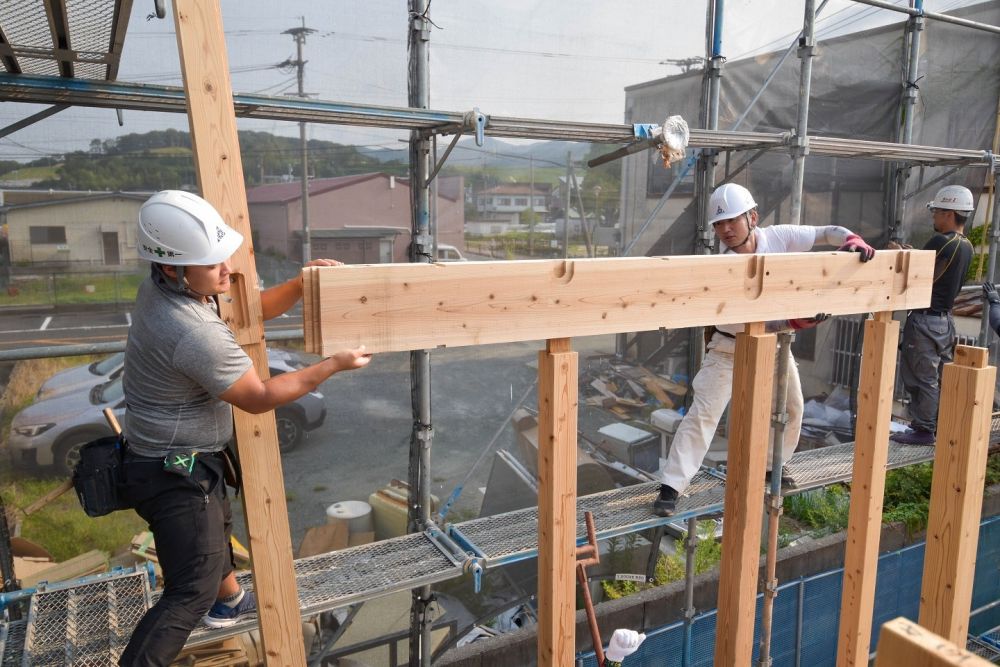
(47, 327)
(365, 441)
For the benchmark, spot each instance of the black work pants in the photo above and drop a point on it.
(191, 521)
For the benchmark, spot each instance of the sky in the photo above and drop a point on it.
(547, 59)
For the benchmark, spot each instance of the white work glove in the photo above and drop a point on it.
(675, 139)
(623, 644)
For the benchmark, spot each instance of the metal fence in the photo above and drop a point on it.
(807, 613)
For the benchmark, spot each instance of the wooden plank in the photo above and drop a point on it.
(956, 495)
(396, 307)
(208, 91)
(903, 642)
(750, 413)
(557, 415)
(871, 452)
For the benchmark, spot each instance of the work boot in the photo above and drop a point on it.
(917, 436)
(666, 502)
(786, 479)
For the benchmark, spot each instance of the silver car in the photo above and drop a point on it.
(51, 431)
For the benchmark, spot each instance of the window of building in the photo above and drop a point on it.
(342, 245)
(503, 201)
(521, 201)
(47, 234)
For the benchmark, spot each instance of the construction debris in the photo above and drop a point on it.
(631, 392)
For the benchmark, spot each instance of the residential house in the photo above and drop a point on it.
(364, 218)
(68, 230)
(508, 201)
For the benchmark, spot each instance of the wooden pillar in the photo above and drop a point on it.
(871, 452)
(557, 412)
(957, 493)
(749, 428)
(903, 642)
(209, 94)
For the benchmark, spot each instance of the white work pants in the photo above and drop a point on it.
(713, 388)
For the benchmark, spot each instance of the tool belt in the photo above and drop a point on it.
(99, 477)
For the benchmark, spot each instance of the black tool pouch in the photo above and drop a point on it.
(98, 477)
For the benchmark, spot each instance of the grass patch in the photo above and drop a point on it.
(72, 289)
(61, 527)
(669, 567)
(823, 510)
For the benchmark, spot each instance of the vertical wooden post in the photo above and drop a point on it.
(557, 413)
(903, 642)
(209, 94)
(957, 493)
(871, 452)
(750, 423)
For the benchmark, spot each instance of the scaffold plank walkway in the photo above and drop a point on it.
(331, 581)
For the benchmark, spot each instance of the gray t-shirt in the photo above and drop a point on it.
(179, 357)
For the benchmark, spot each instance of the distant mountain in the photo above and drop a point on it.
(493, 152)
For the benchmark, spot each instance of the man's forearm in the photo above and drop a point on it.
(288, 387)
(278, 299)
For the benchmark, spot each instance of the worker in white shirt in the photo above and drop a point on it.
(733, 216)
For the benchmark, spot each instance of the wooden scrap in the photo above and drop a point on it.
(324, 539)
(653, 387)
(90, 562)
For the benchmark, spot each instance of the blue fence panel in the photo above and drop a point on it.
(897, 593)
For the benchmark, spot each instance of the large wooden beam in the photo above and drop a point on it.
(398, 307)
(557, 413)
(871, 452)
(750, 422)
(957, 493)
(205, 67)
(903, 643)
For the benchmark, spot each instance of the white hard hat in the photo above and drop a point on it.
(728, 201)
(182, 229)
(953, 198)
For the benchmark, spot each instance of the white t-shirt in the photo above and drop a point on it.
(789, 238)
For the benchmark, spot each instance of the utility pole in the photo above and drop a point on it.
(565, 234)
(299, 35)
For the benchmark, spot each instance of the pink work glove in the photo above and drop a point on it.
(857, 244)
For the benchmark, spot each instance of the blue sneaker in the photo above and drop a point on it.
(222, 616)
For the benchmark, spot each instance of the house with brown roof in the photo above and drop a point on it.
(359, 219)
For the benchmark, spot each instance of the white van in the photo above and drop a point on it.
(449, 253)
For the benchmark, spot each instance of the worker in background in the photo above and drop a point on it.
(183, 373)
(733, 216)
(929, 333)
(993, 301)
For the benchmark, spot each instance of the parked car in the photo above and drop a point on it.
(449, 253)
(51, 431)
(82, 377)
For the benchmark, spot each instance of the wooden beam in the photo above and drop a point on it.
(205, 68)
(957, 493)
(396, 307)
(871, 452)
(750, 415)
(903, 642)
(557, 414)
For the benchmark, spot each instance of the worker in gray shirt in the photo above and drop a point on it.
(183, 373)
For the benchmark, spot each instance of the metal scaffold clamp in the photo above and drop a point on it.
(798, 145)
(476, 121)
(475, 566)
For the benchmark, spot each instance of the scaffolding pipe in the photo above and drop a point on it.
(944, 18)
(420, 366)
(914, 26)
(779, 420)
(690, 559)
(800, 142)
(705, 176)
(990, 275)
